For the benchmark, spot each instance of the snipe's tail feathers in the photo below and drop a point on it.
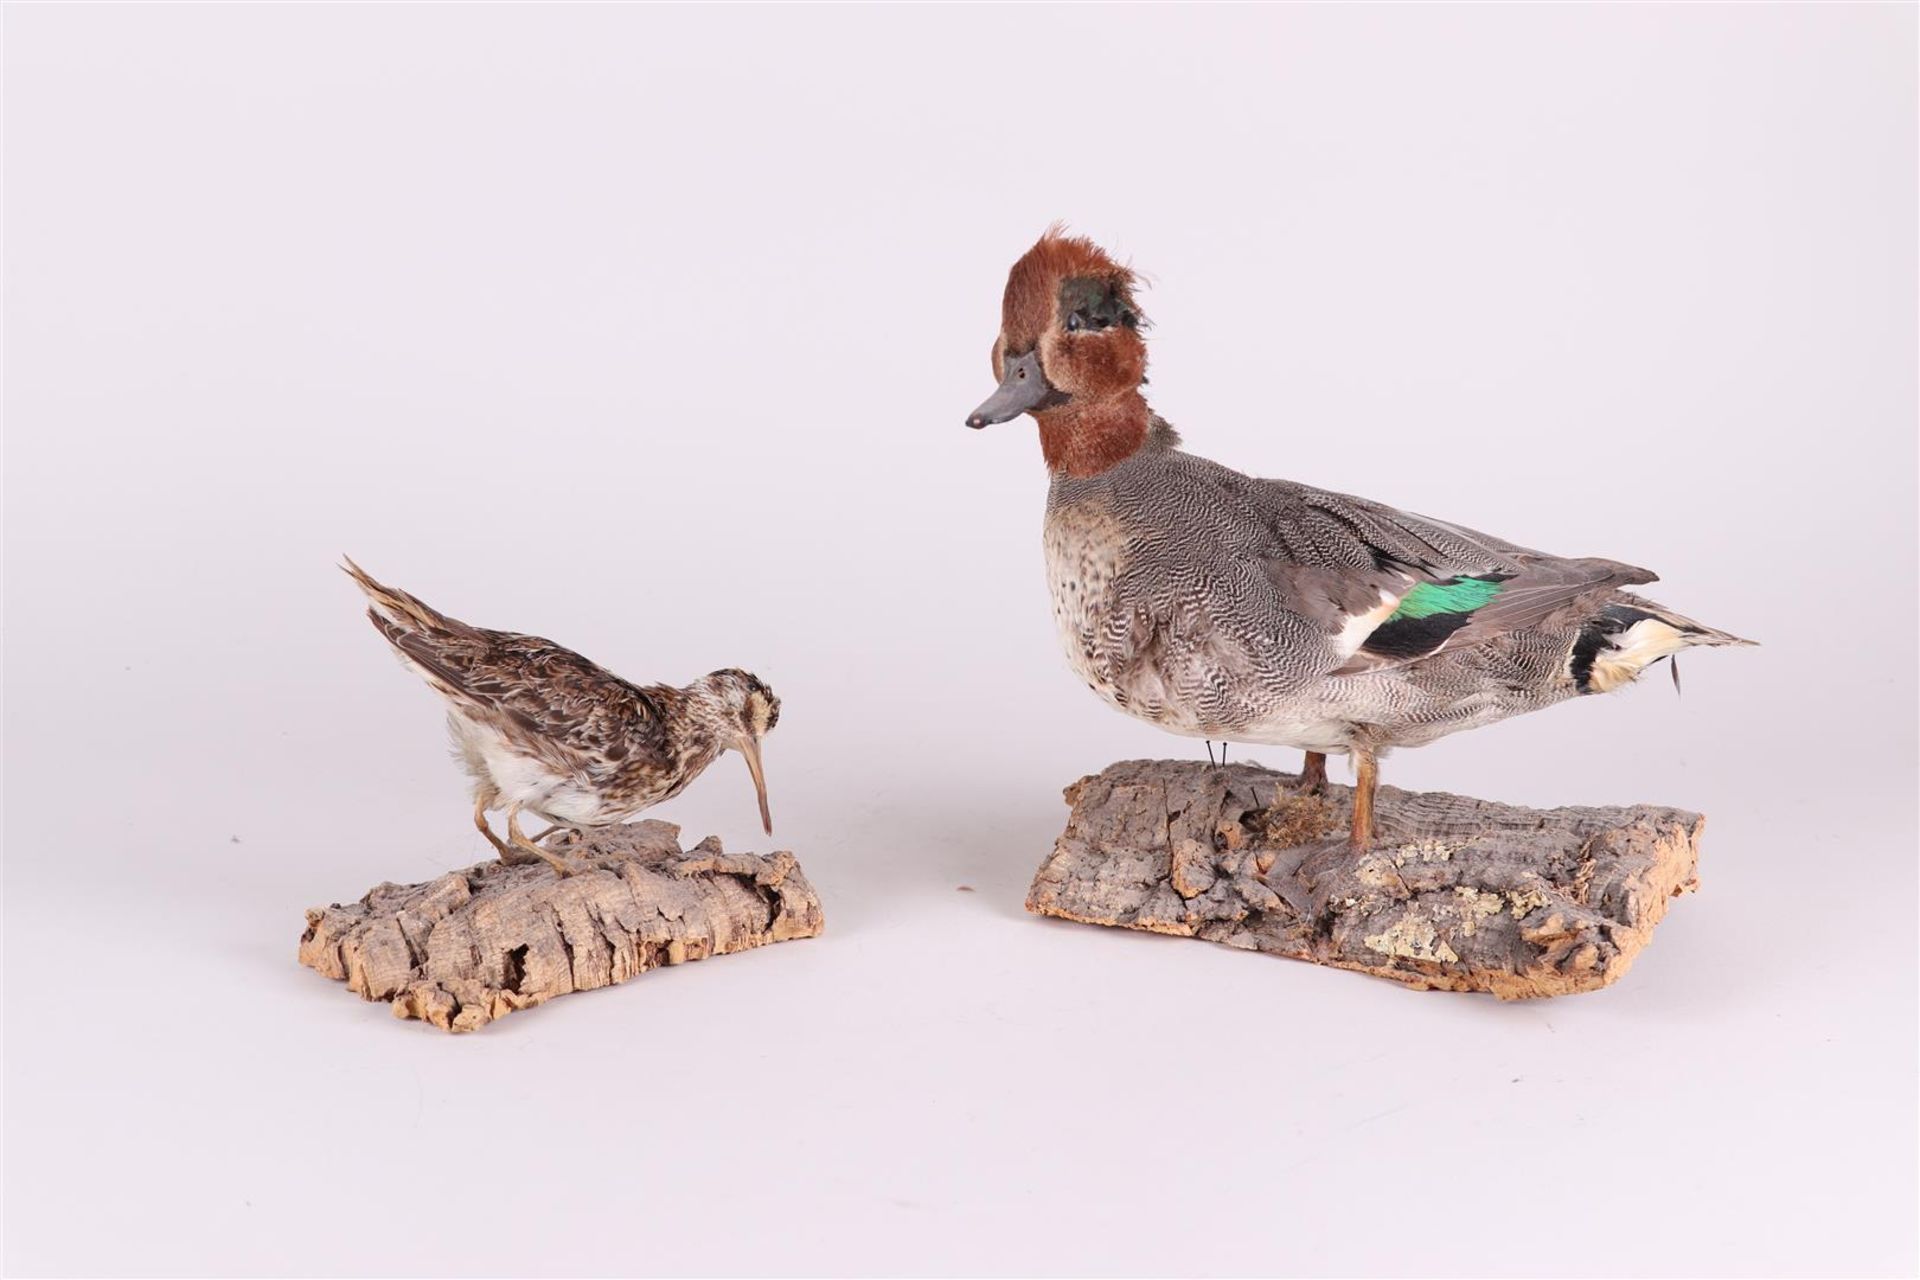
(395, 611)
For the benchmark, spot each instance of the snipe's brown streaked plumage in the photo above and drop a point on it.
(544, 731)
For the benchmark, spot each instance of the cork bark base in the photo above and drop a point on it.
(474, 945)
(1456, 894)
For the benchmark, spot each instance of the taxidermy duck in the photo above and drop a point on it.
(1216, 605)
(541, 730)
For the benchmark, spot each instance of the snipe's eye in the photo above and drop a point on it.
(1075, 323)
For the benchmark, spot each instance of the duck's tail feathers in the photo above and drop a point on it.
(395, 613)
(1630, 634)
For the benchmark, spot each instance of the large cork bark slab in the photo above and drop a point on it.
(1455, 895)
(477, 944)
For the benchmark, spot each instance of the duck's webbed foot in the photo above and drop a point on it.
(1327, 857)
(1359, 842)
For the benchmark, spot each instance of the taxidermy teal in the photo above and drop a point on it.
(1220, 606)
(541, 730)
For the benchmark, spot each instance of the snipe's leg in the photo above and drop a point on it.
(1366, 777)
(1313, 774)
(519, 841)
(507, 854)
(559, 828)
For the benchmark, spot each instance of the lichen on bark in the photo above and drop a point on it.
(1454, 894)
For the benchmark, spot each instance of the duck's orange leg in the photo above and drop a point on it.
(1366, 777)
(1313, 774)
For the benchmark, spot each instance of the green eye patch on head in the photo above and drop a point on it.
(1090, 303)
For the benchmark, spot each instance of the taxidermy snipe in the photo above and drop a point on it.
(544, 731)
(1216, 605)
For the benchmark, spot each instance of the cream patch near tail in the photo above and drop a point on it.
(1628, 636)
(1634, 650)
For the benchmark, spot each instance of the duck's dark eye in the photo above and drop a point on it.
(1096, 304)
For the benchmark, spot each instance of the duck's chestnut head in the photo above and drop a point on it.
(1069, 332)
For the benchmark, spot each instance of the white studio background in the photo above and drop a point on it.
(652, 330)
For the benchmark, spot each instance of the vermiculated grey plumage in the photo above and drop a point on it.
(1217, 605)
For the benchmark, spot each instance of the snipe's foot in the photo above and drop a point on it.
(563, 867)
(508, 854)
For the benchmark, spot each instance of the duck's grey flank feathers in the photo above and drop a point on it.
(1220, 605)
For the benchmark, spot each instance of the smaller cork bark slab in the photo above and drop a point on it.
(1456, 894)
(475, 945)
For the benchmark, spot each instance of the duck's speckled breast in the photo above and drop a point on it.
(1086, 549)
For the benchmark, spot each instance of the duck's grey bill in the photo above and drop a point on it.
(1022, 390)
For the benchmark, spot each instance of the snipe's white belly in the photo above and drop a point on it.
(524, 780)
